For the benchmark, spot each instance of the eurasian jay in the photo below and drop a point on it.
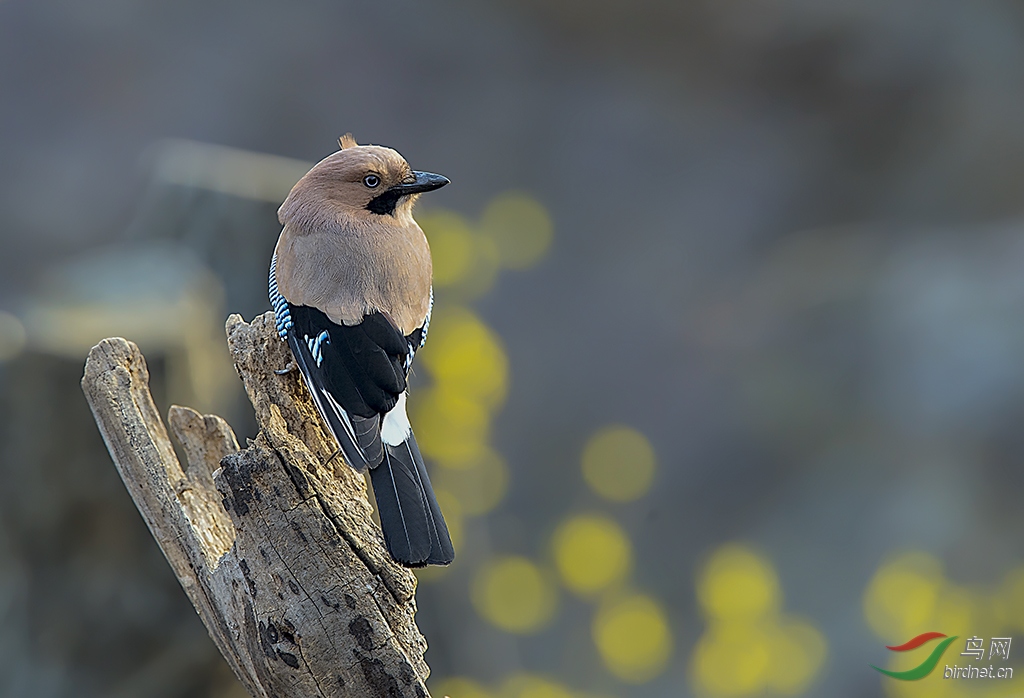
(350, 283)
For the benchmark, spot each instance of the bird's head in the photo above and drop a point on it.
(357, 181)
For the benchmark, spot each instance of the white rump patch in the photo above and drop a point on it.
(396, 427)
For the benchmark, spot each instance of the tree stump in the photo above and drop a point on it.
(276, 550)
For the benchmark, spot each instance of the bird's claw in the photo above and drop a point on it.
(287, 369)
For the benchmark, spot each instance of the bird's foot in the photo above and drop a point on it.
(287, 369)
(333, 456)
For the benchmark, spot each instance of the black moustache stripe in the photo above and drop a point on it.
(384, 204)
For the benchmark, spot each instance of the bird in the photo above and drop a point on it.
(351, 289)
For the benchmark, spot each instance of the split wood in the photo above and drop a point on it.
(278, 553)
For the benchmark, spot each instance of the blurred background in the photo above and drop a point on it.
(725, 387)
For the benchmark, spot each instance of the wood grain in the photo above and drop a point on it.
(277, 551)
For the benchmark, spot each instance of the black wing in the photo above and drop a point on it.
(355, 374)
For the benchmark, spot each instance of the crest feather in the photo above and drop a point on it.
(347, 141)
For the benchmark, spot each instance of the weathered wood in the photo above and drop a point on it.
(277, 552)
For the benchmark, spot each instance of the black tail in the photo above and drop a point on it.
(414, 528)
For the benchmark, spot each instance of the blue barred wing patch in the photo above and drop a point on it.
(282, 313)
(316, 344)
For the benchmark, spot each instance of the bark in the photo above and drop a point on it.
(274, 544)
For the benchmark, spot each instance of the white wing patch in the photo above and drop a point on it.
(396, 427)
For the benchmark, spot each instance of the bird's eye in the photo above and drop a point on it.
(371, 180)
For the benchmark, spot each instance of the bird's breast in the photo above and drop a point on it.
(348, 274)
(403, 279)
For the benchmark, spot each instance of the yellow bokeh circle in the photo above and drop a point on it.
(959, 609)
(450, 427)
(452, 245)
(738, 584)
(478, 483)
(483, 272)
(618, 463)
(732, 659)
(514, 594)
(797, 652)
(459, 687)
(901, 598)
(591, 553)
(524, 685)
(632, 636)
(520, 228)
(465, 358)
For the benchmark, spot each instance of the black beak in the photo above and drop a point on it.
(425, 181)
(384, 204)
